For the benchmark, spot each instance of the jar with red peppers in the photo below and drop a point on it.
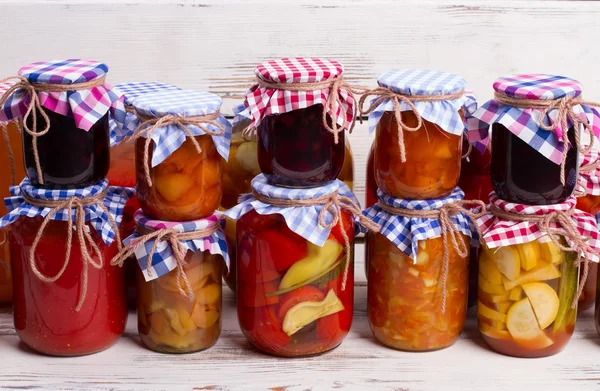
(300, 144)
(73, 304)
(65, 132)
(181, 149)
(418, 116)
(295, 272)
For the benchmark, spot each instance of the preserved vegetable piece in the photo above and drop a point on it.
(300, 145)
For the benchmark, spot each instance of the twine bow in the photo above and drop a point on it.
(568, 229)
(174, 239)
(332, 204)
(73, 205)
(383, 94)
(34, 107)
(448, 229)
(150, 124)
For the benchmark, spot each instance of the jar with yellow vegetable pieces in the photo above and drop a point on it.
(417, 291)
(179, 282)
(182, 143)
(529, 275)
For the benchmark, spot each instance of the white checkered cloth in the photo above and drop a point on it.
(115, 201)
(302, 220)
(445, 114)
(185, 104)
(405, 232)
(162, 260)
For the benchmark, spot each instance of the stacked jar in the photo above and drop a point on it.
(418, 261)
(181, 145)
(295, 230)
(534, 237)
(63, 218)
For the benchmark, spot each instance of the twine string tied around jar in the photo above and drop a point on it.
(333, 204)
(151, 124)
(449, 232)
(174, 239)
(75, 206)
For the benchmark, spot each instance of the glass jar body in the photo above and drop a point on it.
(296, 150)
(522, 175)
(68, 156)
(185, 186)
(290, 298)
(169, 322)
(404, 296)
(525, 297)
(433, 159)
(44, 313)
(371, 188)
(347, 173)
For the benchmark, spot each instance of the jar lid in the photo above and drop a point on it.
(537, 86)
(180, 226)
(184, 103)
(422, 82)
(63, 71)
(299, 70)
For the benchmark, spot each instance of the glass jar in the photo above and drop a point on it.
(525, 297)
(588, 295)
(296, 150)
(185, 186)
(169, 322)
(347, 173)
(371, 188)
(44, 313)
(69, 156)
(433, 159)
(404, 296)
(522, 175)
(290, 299)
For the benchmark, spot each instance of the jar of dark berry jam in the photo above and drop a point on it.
(66, 132)
(300, 133)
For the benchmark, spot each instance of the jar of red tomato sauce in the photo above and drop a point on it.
(294, 275)
(73, 304)
(535, 157)
(418, 117)
(300, 144)
(66, 135)
(179, 160)
(417, 292)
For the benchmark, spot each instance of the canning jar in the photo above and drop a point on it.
(371, 186)
(301, 144)
(346, 175)
(418, 142)
(180, 180)
(66, 136)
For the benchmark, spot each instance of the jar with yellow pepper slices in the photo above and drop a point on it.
(529, 275)
(295, 273)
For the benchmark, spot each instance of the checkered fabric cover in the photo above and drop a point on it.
(498, 232)
(405, 232)
(131, 91)
(115, 200)
(185, 104)
(524, 123)
(302, 220)
(162, 260)
(86, 106)
(445, 114)
(261, 101)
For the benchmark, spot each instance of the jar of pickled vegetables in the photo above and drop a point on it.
(179, 289)
(73, 304)
(294, 271)
(182, 143)
(65, 132)
(528, 275)
(535, 157)
(300, 131)
(417, 291)
(419, 122)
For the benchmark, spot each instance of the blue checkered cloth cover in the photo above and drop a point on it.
(302, 220)
(186, 104)
(115, 200)
(405, 232)
(446, 114)
(162, 260)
